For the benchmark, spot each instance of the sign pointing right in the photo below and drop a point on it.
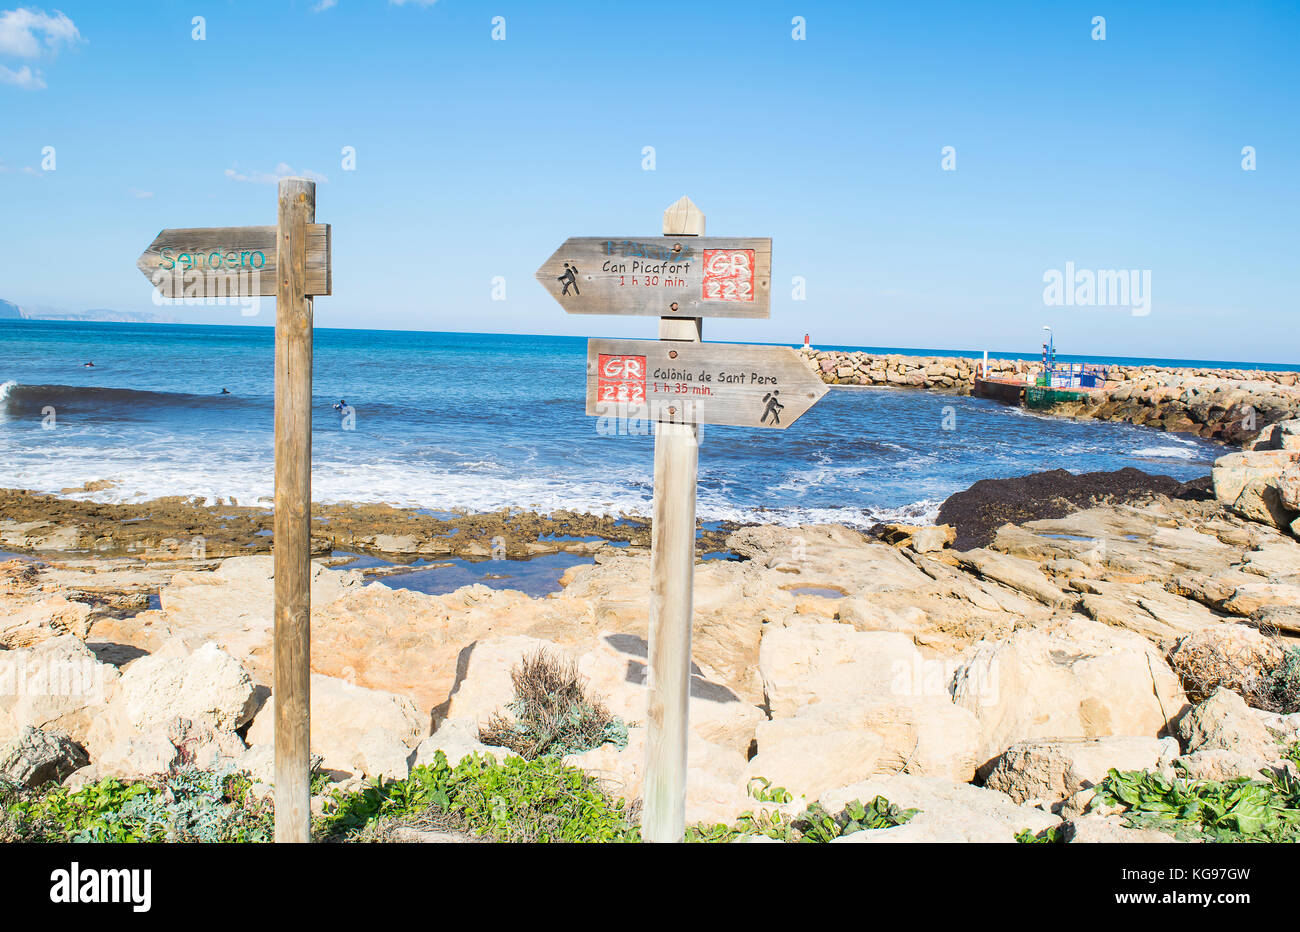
(699, 383)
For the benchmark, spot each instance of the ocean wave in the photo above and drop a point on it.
(1178, 453)
(23, 399)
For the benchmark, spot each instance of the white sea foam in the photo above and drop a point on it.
(1176, 453)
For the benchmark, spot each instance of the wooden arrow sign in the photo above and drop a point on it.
(226, 262)
(699, 383)
(662, 276)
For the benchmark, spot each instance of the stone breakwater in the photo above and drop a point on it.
(1229, 405)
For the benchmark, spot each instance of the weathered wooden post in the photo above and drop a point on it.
(672, 583)
(233, 265)
(679, 383)
(292, 548)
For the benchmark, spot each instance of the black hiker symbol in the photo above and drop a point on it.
(774, 407)
(570, 277)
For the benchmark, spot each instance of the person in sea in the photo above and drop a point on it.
(340, 405)
(88, 365)
(225, 391)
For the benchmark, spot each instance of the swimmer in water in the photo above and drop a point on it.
(225, 391)
(88, 365)
(340, 405)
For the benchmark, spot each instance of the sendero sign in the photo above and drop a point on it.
(217, 262)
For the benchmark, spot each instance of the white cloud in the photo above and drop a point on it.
(142, 195)
(414, 2)
(324, 5)
(283, 170)
(24, 77)
(21, 32)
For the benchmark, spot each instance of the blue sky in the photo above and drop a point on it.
(475, 158)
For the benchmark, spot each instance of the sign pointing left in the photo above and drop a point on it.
(291, 261)
(209, 262)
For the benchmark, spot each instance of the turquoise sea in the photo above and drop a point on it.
(483, 422)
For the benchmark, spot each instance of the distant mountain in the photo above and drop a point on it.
(11, 311)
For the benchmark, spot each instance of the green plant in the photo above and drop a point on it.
(551, 713)
(818, 825)
(762, 789)
(1280, 689)
(1051, 835)
(187, 805)
(814, 825)
(516, 800)
(1232, 810)
(1292, 753)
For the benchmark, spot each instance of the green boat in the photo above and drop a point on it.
(1041, 396)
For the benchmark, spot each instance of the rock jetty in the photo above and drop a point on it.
(1229, 405)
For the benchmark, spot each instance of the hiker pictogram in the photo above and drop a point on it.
(569, 278)
(773, 407)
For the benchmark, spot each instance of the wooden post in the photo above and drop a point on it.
(672, 578)
(292, 541)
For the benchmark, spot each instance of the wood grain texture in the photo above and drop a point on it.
(670, 276)
(701, 383)
(292, 540)
(672, 597)
(210, 262)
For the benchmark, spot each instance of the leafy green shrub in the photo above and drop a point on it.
(190, 805)
(818, 825)
(551, 713)
(1233, 810)
(814, 825)
(762, 789)
(516, 800)
(1051, 835)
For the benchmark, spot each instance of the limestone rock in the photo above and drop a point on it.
(950, 812)
(1219, 764)
(831, 743)
(1288, 486)
(27, 625)
(1054, 770)
(343, 717)
(1106, 830)
(812, 663)
(1077, 678)
(1224, 722)
(136, 755)
(1015, 573)
(57, 684)
(457, 738)
(207, 685)
(1233, 472)
(1261, 500)
(36, 757)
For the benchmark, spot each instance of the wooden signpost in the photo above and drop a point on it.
(291, 261)
(679, 383)
(671, 276)
(705, 383)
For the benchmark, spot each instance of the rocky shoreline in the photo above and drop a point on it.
(991, 687)
(1228, 405)
(177, 528)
